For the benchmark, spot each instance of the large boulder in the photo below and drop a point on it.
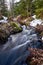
(7, 29)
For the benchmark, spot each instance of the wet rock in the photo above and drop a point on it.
(39, 28)
(35, 57)
(7, 29)
(41, 34)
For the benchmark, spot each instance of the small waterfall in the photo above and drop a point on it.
(34, 16)
(42, 38)
(35, 22)
(24, 27)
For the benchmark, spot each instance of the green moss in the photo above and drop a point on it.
(15, 26)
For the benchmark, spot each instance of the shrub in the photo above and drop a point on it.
(39, 13)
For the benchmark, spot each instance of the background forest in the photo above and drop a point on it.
(23, 7)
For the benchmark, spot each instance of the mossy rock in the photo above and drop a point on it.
(7, 29)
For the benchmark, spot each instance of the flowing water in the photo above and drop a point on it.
(15, 51)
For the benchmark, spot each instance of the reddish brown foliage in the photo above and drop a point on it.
(36, 57)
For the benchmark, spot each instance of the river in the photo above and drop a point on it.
(15, 51)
